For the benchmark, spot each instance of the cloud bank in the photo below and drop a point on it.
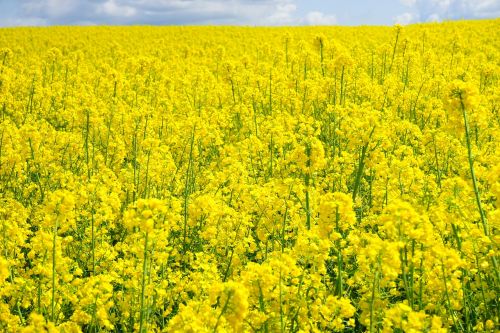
(438, 10)
(164, 12)
(237, 12)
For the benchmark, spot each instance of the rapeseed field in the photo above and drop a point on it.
(237, 179)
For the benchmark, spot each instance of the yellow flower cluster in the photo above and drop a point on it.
(223, 179)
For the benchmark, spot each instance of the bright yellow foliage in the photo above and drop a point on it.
(217, 179)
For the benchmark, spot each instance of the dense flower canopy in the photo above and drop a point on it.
(212, 179)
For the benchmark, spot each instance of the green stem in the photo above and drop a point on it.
(448, 300)
(87, 128)
(308, 209)
(93, 243)
(143, 283)
(372, 301)
(474, 183)
(224, 309)
(262, 306)
(321, 56)
(394, 50)
(359, 172)
(471, 166)
(339, 286)
(52, 302)
(186, 193)
(342, 85)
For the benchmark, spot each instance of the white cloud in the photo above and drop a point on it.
(51, 8)
(112, 8)
(25, 22)
(405, 18)
(319, 18)
(434, 18)
(163, 12)
(408, 3)
(437, 10)
(443, 4)
(283, 14)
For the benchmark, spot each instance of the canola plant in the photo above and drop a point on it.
(234, 179)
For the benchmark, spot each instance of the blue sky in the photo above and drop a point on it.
(240, 12)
